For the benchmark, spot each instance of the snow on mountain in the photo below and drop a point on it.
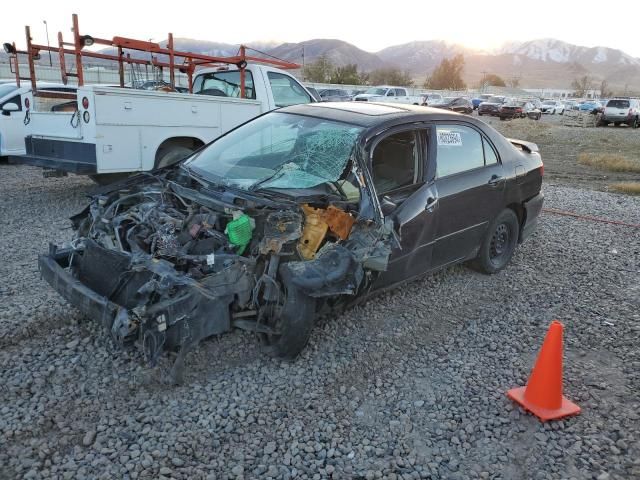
(552, 50)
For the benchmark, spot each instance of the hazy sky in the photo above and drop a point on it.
(368, 25)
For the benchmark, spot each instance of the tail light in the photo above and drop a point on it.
(85, 102)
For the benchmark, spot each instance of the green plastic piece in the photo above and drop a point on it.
(239, 232)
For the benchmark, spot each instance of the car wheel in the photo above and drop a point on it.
(499, 243)
(294, 318)
(634, 123)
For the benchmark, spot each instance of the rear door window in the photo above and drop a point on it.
(618, 104)
(461, 148)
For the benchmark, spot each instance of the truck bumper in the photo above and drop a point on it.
(532, 207)
(73, 157)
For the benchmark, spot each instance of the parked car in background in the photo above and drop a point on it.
(492, 105)
(593, 106)
(570, 105)
(621, 110)
(386, 93)
(552, 107)
(16, 106)
(483, 97)
(314, 93)
(261, 232)
(429, 99)
(455, 104)
(335, 95)
(519, 109)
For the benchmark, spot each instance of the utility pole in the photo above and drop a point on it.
(46, 28)
(303, 75)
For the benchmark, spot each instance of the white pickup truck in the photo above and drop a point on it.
(14, 101)
(386, 93)
(117, 131)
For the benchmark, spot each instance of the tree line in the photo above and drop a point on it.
(446, 76)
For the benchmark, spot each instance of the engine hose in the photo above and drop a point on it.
(589, 217)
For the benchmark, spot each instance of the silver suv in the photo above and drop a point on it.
(621, 110)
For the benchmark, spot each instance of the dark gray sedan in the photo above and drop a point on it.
(303, 210)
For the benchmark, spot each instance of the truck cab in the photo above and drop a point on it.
(388, 94)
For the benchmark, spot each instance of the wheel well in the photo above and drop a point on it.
(187, 142)
(520, 213)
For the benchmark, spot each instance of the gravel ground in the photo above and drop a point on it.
(409, 385)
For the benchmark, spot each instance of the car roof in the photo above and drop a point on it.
(369, 114)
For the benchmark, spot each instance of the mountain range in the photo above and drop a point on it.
(541, 63)
(537, 63)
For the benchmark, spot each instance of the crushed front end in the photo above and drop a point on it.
(164, 263)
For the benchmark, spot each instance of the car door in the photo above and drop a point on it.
(470, 184)
(398, 165)
(12, 126)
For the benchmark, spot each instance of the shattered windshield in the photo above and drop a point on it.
(278, 150)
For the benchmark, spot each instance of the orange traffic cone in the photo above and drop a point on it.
(543, 394)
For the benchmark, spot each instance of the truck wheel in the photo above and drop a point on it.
(294, 319)
(107, 178)
(499, 243)
(173, 155)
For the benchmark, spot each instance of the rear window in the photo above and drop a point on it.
(618, 103)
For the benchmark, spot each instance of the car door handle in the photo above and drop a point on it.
(494, 181)
(431, 203)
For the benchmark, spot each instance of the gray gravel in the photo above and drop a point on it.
(409, 385)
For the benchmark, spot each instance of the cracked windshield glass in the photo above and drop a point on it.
(279, 150)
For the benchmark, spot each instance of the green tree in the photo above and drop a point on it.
(390, 76)
(319, 71)
(493, 80)
(447, 75)
(346, 75)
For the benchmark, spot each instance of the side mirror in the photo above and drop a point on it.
(7, 108)
(387, 205)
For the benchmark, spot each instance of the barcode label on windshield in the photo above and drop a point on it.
(450, 138)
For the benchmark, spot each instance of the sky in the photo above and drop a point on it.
(371, 26)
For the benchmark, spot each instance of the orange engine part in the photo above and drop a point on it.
(318, 222)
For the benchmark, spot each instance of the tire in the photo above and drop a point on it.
(173, 155)
(108, 178)
(634, 123)
(295, 321)
(499, 243)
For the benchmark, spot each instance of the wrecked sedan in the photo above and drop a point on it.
(294, 214)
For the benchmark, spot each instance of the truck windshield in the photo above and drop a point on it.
(376, 91)
(6, 89)
(278, 150)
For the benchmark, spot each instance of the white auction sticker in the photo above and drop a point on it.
(449, 138)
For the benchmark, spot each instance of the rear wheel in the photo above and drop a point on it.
(499, 243)
(173, 155)
(634, 123)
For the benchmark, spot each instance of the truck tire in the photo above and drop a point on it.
(499, 243)
(173, 155)
(295, 321)
(107, 178)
